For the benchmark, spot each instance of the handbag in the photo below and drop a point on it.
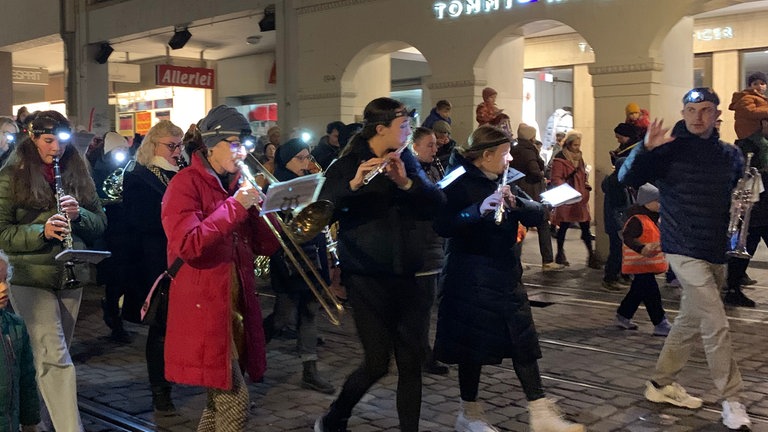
(154, 311)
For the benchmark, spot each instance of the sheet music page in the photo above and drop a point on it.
(292, 194)
(561, 195)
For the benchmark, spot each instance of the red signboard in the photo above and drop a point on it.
(180, 76)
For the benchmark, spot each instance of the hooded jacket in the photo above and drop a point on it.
(750, 107)
(18, 388)
(433, 117)
(695, 177)
(217, 238)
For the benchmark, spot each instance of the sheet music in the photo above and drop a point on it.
(561, 195)
(292, 194)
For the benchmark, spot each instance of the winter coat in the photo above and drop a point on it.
(750, 107)
(142, 197)
(433, 117)
(484, 315)
(526, 159)
(563, 171)
(616, 200)
(431, 243)
(757, 144)
(217, 238)
(32, 256)
(19, 402)
(695, 177)
(377, 221)
(324, 153)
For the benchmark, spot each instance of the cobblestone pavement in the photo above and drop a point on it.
(594, 370)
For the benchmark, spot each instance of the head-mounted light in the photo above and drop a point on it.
(10, 137)
(244, 136)
(701, 94)
(62, 132)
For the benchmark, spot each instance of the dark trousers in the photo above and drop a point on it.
(155, 354)
(586, 235)
(545, 242)
(737, 267)
(391, 315)
(644, 290)
(428, 283)
(528, 374)
(613, 263)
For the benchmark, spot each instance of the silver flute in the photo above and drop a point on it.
(381, 167)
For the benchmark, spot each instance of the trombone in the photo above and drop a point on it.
(307, 224)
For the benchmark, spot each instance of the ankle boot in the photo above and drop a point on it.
(311, 380)
(593, 261)
(471, 418)
(561, 259)
(161, 401)
(545, 417)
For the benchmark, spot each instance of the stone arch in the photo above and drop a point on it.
(368, 74)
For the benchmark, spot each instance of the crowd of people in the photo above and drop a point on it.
(405, 242)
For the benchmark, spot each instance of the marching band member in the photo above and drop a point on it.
(214, 317)
(379, 258)
(484, 314)
(31, 232)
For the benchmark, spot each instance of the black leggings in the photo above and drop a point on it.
(586, 235)
(528, 374)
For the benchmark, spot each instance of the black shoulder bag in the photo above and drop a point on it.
(154, 311)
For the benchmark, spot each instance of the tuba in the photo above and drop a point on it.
(744, 196)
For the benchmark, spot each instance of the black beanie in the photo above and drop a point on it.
(625, 129)
(286, 151)
(756, 76)
(220, 123)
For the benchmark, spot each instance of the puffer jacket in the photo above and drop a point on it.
(32, 256)
(18, 390)
(377, 221)
(217, 238)
(750, 107)
(484, 314)
(695, 177)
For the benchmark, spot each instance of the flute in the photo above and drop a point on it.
(381, 167)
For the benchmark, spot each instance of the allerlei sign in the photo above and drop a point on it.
(457, 8)
(181, 76)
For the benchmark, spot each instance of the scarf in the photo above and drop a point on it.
(573, 157)
(163, 163)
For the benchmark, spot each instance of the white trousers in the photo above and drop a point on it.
(50, 317)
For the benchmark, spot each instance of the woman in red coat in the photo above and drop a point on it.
(214, 318)
(568, 167)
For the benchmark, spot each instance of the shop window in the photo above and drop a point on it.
(411, 99)
(753, 61)
(702, 70)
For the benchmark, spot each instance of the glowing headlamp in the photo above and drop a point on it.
(244, 136)
(63, 133)
(10, 137)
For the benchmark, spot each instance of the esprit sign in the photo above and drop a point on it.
(457, 8)
(180, 76)
(27, 75)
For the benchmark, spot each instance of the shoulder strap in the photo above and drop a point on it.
(174, 268)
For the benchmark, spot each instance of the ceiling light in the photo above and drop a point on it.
(179, 39)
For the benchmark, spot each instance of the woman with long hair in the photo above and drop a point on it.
(380, 257)
(484, 315)
(143, 189)
(33, 227)
(212, 223)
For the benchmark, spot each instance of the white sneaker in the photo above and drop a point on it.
(471, 418)
(673, 394)
(545, 417)
(551, 266)
(735, 416)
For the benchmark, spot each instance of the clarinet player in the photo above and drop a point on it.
(33, 229)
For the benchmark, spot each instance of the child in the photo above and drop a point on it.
(638, 118)
(487, 112)
(643, 258)
(441, 112)
(19, 403)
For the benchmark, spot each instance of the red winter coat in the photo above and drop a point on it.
(211, 232)
(563, 171)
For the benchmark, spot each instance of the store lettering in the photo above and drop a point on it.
(457, 8)
(168, 75)
(716, 33)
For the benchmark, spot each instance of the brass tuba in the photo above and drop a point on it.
(744, 196)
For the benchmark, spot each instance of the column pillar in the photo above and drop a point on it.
(6, 84)
(725, 81)
(656, 83)
(504, 72)
(287, 60)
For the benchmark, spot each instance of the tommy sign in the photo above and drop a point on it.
(457, 8)
(180, 76)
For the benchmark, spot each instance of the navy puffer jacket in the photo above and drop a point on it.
(695, 177)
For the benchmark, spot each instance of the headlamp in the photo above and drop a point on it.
(62, 132)
(701, 94)
(119, 155)
(10, 137)
(247, 140)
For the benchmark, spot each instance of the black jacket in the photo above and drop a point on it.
(376, 222)
(325, 153)
(695, 177)
(484, 314)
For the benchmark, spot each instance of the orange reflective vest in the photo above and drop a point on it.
(635, 263)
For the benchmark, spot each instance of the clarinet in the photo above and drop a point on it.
(498, 217)
(70, 280)
(440, 169)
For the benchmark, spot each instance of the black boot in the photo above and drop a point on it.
(593, 261)
(161, 401)
(735, 297)
(561, 259)
(329, 423)
(311, 380)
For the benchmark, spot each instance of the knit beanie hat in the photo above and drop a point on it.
(647, 193)
(220, 123)
(526, 132)
(113, 140)
(286, 151)
(626, 130)
(441, 126)
(488, 92)
(757, 76)
(632, 108)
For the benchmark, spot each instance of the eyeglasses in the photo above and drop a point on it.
(173, 146)
(234, 144)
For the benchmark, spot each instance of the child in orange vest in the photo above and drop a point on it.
(642, 257)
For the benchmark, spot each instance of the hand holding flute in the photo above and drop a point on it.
(390, 165)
